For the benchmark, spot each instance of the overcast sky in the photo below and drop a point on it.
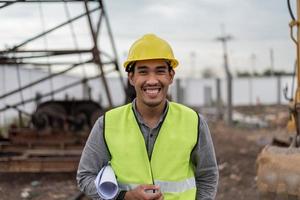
(190, 26)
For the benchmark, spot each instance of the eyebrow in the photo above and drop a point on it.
(141, 67)
(145, 67)
(162, 67)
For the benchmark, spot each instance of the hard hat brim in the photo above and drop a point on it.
(173, 62)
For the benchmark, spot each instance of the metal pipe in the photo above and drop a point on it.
(54, 28)
(96, 54)
(41, 80)
(113, 44)
(37, 63)
(7, 4)
(66, 51)
(47, 64)
(18, 109)
(54, 91)
(298, 50)
(224, 40)
(297, 98)
(99, 25)
(50, 53)
(45, 1)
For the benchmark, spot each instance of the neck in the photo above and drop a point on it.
(150, 114)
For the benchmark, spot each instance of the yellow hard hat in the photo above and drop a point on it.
(150, 47)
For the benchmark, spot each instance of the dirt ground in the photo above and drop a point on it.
(236, 150)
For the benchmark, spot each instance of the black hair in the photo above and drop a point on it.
(131, 66)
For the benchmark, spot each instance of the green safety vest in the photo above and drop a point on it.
(170, 165)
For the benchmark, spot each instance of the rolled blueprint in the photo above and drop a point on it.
(106, 183)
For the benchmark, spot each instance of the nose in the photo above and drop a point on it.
(152, 79)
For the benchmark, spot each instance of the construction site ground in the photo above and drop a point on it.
(236, 149)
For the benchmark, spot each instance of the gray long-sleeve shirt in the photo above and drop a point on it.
(95, 154)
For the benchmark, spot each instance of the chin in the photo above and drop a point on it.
(153, 103)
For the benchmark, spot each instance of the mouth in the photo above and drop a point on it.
(152, 91)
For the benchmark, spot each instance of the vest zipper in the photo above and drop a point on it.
(149, 158)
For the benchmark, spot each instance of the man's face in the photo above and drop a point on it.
(151, 80)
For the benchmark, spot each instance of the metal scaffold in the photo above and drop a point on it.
(58, 128)
(17, 56)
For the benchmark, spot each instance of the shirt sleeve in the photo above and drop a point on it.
(94, 156)
(203, 156)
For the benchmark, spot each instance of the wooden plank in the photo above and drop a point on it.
(40, 160)
(62, 164)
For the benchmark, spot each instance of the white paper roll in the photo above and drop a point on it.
(106, 183)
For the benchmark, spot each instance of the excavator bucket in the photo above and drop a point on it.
(278, 167)
(278, 173)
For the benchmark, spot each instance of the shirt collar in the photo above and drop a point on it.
(140, 118)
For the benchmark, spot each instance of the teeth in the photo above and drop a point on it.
(152, 91)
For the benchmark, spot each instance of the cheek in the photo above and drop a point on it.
(167, 80)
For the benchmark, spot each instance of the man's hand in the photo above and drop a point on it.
(144, 192)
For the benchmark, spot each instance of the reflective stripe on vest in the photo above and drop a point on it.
(165, 186)
(170, 165)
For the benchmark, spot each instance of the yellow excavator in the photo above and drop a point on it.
(278, 167)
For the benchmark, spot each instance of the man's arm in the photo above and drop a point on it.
(206, 174)
(94, 155)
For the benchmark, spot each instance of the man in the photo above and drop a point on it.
(158, 149)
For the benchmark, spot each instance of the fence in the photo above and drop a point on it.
(190, 91)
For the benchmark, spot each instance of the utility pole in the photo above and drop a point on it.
(193, 71)
(252, 75)
(224, 39)
(272, 62)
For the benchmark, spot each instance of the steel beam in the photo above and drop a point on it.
(96, 54)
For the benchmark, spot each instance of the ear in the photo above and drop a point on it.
(172, 75)
(130, 78)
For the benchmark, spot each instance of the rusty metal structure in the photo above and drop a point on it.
(52, 138)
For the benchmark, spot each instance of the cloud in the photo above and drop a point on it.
(190, 25)
(165, 11)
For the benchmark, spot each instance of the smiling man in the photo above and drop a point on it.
(158, 149)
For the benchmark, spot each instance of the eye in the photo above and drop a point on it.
(161, 71)
(142, 72)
